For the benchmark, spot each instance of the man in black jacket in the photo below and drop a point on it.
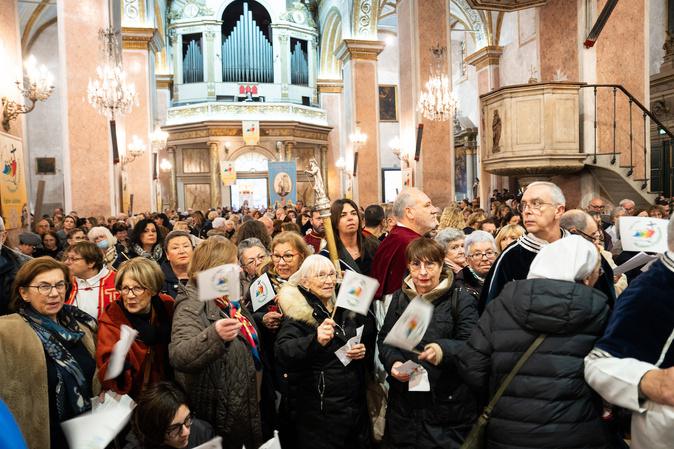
(10, 262)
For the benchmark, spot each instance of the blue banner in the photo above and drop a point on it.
(282, 183)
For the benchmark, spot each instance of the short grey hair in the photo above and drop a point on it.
(447, 235)
(98, 231)
(251, 242)
(555, 192)
(625, 201)
(617, 210)
(575, 218)
(405, 199)
(476, 237)
(311, 266)
(670, 234)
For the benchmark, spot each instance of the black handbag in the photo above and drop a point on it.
(477, 436)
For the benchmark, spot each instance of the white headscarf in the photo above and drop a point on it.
(310, 267)
(568, 259)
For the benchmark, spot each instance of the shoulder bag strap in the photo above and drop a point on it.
(506, 382)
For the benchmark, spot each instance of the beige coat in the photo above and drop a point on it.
(23, 377)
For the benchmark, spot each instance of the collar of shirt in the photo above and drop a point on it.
(668, 260)
(92, 281)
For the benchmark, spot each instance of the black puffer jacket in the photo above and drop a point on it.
(548, 404)
(325, 399)
(442, 417)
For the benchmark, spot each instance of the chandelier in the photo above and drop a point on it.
(37, 85)
(110, 94)
(437, 101)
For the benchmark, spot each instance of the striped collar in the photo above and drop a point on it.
(532, 243)
(668, 260)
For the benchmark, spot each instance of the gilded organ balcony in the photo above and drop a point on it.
(532, 130)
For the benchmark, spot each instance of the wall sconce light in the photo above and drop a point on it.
(135, 149)
(37, 85)
(159, 137)
(357, 138)
(165, 165)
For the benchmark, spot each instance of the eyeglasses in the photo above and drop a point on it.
(45, 289)
(323, 277)
(173, 431)
(287, 257)
(596, 237)
(253, 260)
(534, 206)
(487, 254)
(417, 265)
(72, 259)
(137, 291)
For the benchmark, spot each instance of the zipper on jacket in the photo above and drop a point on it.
(321, 387)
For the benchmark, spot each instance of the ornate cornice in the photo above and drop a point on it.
(246, 111)
(486, 56)
(164, 80)
(139, 38)
(505, 5)
(330, 86)
(359, 49)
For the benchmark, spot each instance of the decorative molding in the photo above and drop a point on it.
(132, 10)
(365, 13)
(139, 38)
(505, 5)
(359, 49)
(330, 86)
(164, 80)
(484, 57)
(246, 111)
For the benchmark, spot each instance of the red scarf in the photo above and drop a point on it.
(248, 331)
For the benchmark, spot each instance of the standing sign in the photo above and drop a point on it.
(227, 173)
(251, 131)
(13, 197)
(282, 182)
(643, 234)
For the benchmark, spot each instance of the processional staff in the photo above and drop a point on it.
(322, 204)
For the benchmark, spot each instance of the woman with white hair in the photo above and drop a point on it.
(547, 404)
(480, 250)
(325, 398)
(452, 240)
(104, 239)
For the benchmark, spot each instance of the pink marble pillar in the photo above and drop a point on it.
(330, 92)
(422, 26)
(88, 177)
(359, 58)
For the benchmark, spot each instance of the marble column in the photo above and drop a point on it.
(422, 26)
(361, 104)
(486, 62)
(331, 99)
(216, 196)
(174, 178)
(324, 166)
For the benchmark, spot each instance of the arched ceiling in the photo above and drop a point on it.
(34, 17)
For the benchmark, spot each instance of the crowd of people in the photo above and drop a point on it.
(526, 307)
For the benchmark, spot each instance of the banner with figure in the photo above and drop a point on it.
(13, 197)
(227, 173)
(250, 131)
(282, 182)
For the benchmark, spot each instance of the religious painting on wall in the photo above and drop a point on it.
(460, 173)
(13, 197)
(388, 103)
(282, 182)
(196, 160)
(197, 196)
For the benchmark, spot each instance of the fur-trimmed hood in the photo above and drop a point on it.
(295, 304)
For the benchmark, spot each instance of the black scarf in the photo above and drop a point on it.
(150, 333)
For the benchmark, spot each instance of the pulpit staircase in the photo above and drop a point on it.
(623, 160)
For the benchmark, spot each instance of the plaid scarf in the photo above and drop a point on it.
(233, 310)
(71, 388)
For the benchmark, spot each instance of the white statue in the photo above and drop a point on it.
(315, 172)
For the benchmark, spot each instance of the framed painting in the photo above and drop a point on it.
(196, 160)
(388, 103)
(197, 196)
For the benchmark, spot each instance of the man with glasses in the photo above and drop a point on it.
(10, 262)
(92, 285)
(542, 206)
(629, 206)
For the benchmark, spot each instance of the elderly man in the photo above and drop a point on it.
(629, 206)
(596, 205)
(542, 206)
(42, 226)
(415, 215)
(632, 365)
(10, 262)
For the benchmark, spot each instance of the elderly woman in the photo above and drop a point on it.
(507, 235)
(93, 284)
(143, 308)
(162, 419)
(547, 404)
(452, 240)
(480, 249)
(441, 417)
(178, 249)
(252, 256)
(46, 357)
(107, 242)
(216, 350)
(146, 241)
(325, 400)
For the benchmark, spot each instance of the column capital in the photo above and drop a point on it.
(164, 80)
(141, 38)
(359, 49)
(330, 86)
(486, 56)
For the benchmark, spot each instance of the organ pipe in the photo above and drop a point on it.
(193, 63)
(247, 53)
(299, 67)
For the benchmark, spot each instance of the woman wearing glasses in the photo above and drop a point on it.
(325, 398)
(143, 308)
(47, 354)
(480, 249)
(252, 255)
(162, 419)
(441, 415)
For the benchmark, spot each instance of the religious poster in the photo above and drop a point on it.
(251, 131)
(643, 234)
(388, 103)
(13, 197)
(282, 182)
(227, 172)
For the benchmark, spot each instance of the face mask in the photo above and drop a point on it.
(103, 244)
